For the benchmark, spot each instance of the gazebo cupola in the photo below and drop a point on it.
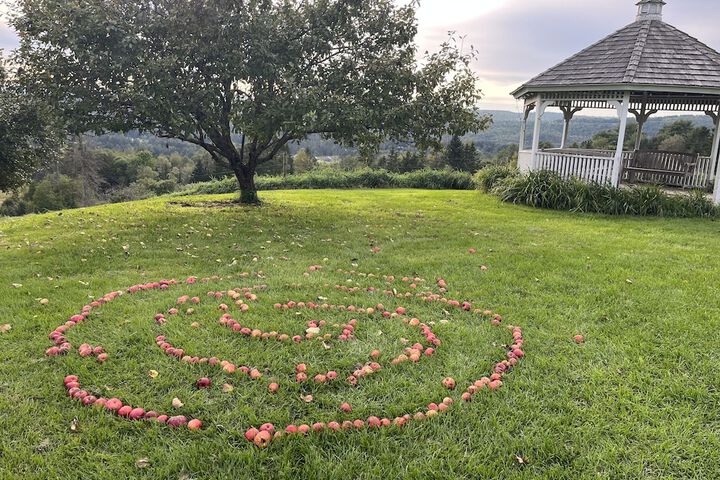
(650, 10)
(645, 67)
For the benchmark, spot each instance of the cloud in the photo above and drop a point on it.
(518, 39)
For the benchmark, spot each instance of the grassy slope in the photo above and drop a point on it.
(638, 400)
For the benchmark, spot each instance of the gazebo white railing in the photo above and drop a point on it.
(597, 166)
(583, 165)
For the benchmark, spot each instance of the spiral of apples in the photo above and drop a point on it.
(317, 330)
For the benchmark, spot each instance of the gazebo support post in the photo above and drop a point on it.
(568, 114)
(540, 106)
(623, 107)
(714, 156)
(523, 129)
(641, 117)
(715, 145)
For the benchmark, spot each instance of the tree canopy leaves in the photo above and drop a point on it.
(28, 136)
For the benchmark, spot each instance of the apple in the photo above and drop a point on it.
(262, 439)
(203, 383)
(345, 407)
(136, 414)
(194, 424)
(251, 433)
(273, 387)
(579, 339)
(449, 383)
(124, 411)
(177, 421)
(267, 427)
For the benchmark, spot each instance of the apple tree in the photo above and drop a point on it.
(243, 78)
(29, 137)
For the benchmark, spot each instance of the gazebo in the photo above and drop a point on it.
(644, 68)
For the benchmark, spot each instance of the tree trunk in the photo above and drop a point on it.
(248, 191)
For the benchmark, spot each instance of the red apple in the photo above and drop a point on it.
(251, 433)
(203, 383)
(136, 414)
(262, 439)
(177, 421)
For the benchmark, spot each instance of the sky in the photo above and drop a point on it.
(518, 39)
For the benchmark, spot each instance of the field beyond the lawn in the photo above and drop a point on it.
(640, 399)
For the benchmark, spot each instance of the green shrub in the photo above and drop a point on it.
(545, 189)
(338, 179)
(435, 180)
(488, 177)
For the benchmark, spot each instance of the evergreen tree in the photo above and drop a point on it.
(455, 153)
(410, 162)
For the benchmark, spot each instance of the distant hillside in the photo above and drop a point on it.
(505, 131)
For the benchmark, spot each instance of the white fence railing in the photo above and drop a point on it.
(703, 175)
(596, 169)
(597, 165)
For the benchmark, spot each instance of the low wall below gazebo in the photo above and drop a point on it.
(597, 165)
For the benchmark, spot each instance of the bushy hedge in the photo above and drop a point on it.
(488, 177)
(548, 190)
(335, 179)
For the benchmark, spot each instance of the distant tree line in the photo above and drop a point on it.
(679, 136)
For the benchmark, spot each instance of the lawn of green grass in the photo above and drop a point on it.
(640, 399)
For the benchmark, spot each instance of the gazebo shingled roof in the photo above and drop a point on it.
(644, 53)
(643, 68)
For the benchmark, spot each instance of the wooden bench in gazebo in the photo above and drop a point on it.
(660, 167)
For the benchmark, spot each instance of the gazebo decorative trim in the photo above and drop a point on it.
(643, 68)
